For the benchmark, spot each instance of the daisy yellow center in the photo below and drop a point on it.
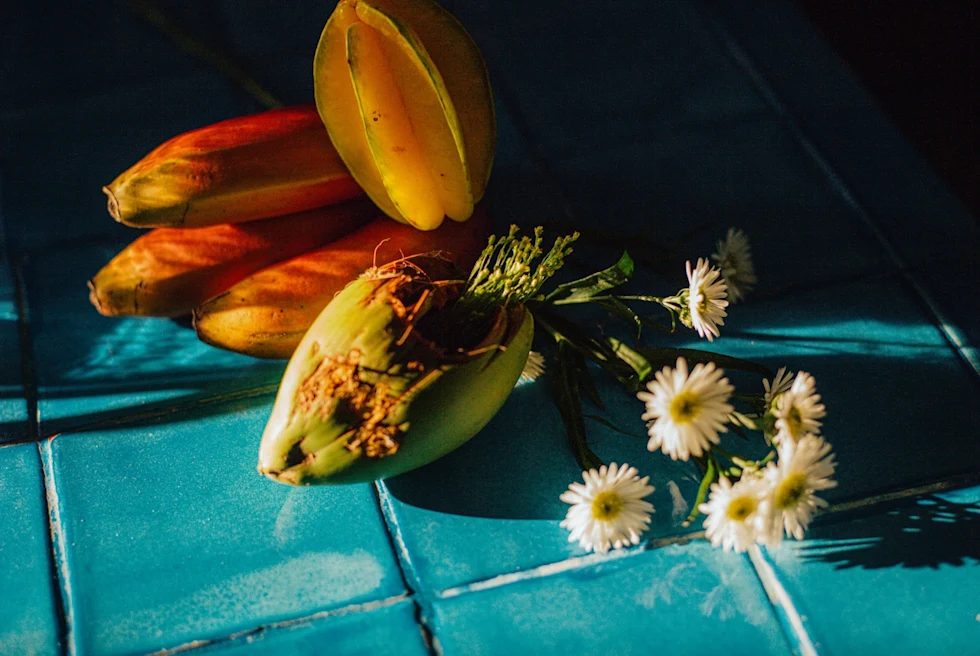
(741, 507)
(684, 407)
(607, 505)
(790, 491)
(794, 421)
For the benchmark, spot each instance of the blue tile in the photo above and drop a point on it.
(77, 49)
(853, 143)
(876, 358)
(262, 29)
(168, 535)
(587, 79)
(92, 368)
(679, 600)
(389, 629)
(752, 175)
(903, 578)
(28, 611)
(845, 129)
(504, 484)
(13, 402)
(886, 373)
(786, 51)
(58, 157)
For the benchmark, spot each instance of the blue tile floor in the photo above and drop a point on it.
(131, 516)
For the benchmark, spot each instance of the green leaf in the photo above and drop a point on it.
(568, 363)
(582, 290)
(662, 356)
(588, 385)
(599, 352)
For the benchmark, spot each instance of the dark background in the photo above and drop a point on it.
(919, 60)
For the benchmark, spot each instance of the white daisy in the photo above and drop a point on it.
(734, 259)
(707, 298)
(781, 383)
(608, 511)
(803, 468)
(799, 410)
(533, 367)
(735, 513)
(688, 411)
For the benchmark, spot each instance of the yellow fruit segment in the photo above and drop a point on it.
(339, 111)
(405, 97)
(430, 111)
(390, 134)
(460, 64)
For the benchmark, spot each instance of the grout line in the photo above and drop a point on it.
(957, 481)
(405, 566)
(285, 624)
(28, 371)
(58, 551)
(60, 427)
(954, 336)
(831, 514)
(570, 564)
(175, 406)
(782, 603)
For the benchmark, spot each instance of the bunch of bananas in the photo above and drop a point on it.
(257, 222)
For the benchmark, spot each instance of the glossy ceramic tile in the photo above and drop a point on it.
(168, 534)
(389, 629)
(847, 132)
(492, 507)
(661, 118)
(92, 368)
(876, 358)
(883, 370)
(28, 614)
(902, 579)
(58, 157)
(80, 49)
(635, 71)
(945, 266)
(13, 402)
(788, 54)
(679, 600)
(692, 185)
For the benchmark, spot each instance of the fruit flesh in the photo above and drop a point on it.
(391, 136)
(460, 64)
(431, 112)
(419, 143)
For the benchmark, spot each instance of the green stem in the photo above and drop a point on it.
(710, 475)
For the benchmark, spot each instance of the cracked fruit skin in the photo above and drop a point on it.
(249, 167)
(364, 398)
(404, 94)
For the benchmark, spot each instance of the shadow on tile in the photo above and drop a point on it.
(931, 532)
